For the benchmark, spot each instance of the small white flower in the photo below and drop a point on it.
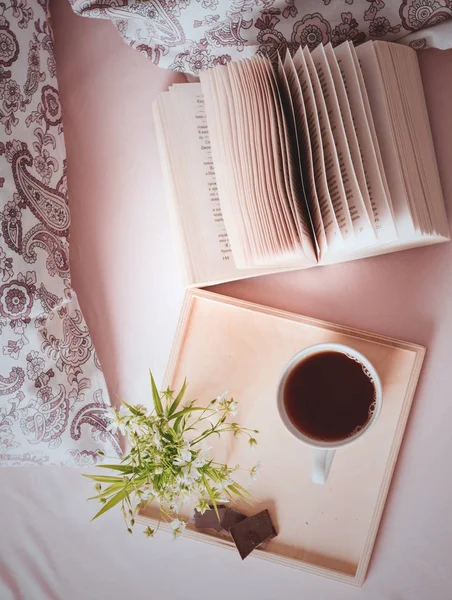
(222, 398)
(184, 457)
(185, 496)
(219, 402)
(158, 471)
(135, 427)
(177, 526)
(194, 473)
(124, 411)
(185, 478)
(189, 475)
(204, 453)
(255, 470)
(202, 506)
(157, 441)
(175, 507)
(231, 407)
(116, 423)
(147, 494)
(221, 485)
(202, 458)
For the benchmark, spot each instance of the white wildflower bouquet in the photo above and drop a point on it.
(169, 462)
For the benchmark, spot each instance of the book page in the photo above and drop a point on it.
(363, 230)
(285, 171)
(349, 129)
(331, 227)
(241, 209)
(332, 167)
(368, 144)
(256, 110)
(415, 109)
(230, 184)
(303, 143)
(286, 161)
(200, 221)
(370, 120)
(184, 141)
(398, 68)
(247, 208)
(277, 161)
(299, 201)
(269, 139)
(243, 138)
(403, 87)
(249, 135)
(393, 89)
(378, 106)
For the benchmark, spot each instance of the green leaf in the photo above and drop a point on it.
(242, 489)
(212, 473)
(178, 399)
(114, 487)
(177, 423)
(185, 411)
(228, 493)
(168, 436)
(156, 397)
(158, 479)
(132, 409)
(104, 478)
(235, 489)
(122, 468)
(211, 495)
(112, 502)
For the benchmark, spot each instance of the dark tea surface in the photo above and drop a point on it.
(329, 397)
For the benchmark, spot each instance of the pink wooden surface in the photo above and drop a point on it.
(125, 271)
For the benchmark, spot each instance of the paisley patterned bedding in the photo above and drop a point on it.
(191, 35)
(53, 400)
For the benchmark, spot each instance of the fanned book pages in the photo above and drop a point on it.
(323, 158)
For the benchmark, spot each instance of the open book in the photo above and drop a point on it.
(326, 157)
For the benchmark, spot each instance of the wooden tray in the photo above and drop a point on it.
(227, 344)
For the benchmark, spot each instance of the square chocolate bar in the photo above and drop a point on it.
(252, 532)
(209, 519)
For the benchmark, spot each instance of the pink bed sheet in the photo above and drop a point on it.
(126, 272)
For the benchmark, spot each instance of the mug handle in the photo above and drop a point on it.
(321, 465)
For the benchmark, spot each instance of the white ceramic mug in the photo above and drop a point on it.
(323, 450)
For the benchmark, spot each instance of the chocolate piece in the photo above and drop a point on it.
(231, 517)
(252, 532)
(209, 520)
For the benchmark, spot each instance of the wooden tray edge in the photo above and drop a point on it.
(192, 294)
(259, 553)
(390, 467)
